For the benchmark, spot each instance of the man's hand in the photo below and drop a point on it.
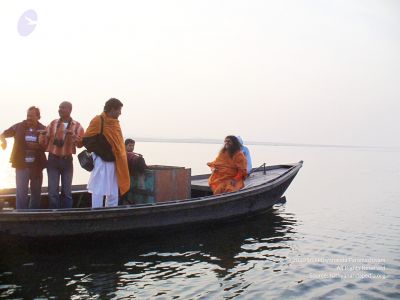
(3, 142)
(41, 131)
(76, 139)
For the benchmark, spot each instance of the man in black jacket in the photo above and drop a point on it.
(27, 157)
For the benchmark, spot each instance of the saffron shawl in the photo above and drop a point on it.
(228, 173)
(113, 133)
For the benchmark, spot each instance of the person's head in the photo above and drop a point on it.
(112, 108)
(231, 144)
(64, 110)
(32, 115)
(129, 145)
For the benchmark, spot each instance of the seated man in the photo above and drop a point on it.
(229, 169)
(136, 162)
(136, 166)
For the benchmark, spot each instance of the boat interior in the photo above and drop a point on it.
(197, 187)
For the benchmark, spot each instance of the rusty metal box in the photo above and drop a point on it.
(160, 184)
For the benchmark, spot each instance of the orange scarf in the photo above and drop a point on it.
(113, 133)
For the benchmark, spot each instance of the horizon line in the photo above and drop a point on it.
(260, 143)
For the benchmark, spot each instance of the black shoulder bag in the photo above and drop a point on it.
(99, 145)
(86, 160)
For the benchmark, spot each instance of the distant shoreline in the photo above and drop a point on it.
(258, 143)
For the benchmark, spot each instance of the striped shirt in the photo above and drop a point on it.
(62, 138)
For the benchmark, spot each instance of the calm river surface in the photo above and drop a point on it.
(337, 237)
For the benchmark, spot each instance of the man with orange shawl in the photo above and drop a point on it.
(229, 169)
(110, 172)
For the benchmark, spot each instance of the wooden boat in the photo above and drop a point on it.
(263, 188)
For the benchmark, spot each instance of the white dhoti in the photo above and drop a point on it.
(103, 182)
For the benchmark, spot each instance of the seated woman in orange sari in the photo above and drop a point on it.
(229, 169)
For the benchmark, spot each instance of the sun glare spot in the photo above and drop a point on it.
(7, 174)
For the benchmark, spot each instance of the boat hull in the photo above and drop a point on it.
(145, 219)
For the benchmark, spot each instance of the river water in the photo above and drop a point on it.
(337, 236)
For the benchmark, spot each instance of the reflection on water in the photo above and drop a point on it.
(193, 263)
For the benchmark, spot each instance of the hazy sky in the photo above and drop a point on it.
(324, 72)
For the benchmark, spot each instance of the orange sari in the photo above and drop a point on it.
(228, 173)
(113, 133)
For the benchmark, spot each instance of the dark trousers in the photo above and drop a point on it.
(60, 167)
(25, 178)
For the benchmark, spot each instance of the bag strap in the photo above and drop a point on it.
(102, 123)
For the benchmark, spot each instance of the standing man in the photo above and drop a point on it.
(27, 157)
(61, 138)
(110, 173)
